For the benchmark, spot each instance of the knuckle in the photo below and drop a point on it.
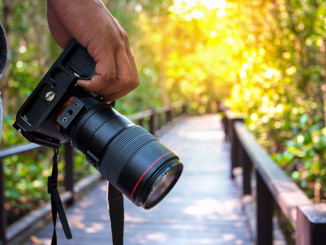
(135, 83)
(124, 34)
(129, 82)
(109, 76)
(126, 82)
(124, 37)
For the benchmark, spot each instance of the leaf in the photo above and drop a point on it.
(303, 120)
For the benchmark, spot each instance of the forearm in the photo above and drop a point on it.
(85, 20)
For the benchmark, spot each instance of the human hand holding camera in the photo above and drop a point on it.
(92, 25)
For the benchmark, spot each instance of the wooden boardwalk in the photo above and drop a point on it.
(203, 208)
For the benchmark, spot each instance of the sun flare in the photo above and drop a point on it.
(194, 6)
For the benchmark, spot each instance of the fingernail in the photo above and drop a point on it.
(93, 94)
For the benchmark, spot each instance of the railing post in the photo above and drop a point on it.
(169, 114)
(141, 122)
(159, 120)
(225, 129)
(69, 170)
(219, 108)
(311, 224)
(264, 216)
(184, 109)
(235, 146)
(228, 129)
(152, 122)
(246, 173)
(3, 216)
(208, 108)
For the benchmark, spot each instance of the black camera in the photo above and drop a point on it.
(58, 110)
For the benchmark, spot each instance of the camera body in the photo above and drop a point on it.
(58, 110)
(36, 120)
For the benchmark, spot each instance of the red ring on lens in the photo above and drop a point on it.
(147, 171)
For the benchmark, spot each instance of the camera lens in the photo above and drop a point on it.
(125, 154)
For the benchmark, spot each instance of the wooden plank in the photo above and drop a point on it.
(286, 193)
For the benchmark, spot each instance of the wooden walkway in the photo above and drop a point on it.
(203, 208)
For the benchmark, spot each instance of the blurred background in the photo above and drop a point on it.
(265, 58)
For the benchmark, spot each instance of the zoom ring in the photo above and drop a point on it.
(121, 150)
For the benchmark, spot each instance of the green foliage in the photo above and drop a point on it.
(281, 85)
(26, 179)
(304, 155)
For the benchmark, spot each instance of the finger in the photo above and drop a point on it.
(124, 70)
(106, 87)
(132, 63)
(105, 74)
(96, 84)
(129, 54)
(125, 81)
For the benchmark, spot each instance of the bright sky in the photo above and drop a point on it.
(210, 4)
(213, 4)
(182, 6)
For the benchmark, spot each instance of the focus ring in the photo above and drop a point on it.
(83, 118)
(121, 150)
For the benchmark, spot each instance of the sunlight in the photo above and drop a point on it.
(182, 6)
(197, 14)
(214, 4)
(208, 208)
(220, 13)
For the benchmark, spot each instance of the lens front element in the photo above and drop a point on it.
(163, 184)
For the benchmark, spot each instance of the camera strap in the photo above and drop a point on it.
(56, 203)
(116, 211)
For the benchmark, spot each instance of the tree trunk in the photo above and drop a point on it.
(165, 96)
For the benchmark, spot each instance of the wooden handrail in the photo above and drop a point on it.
(285, 192)
(19, 149)
(69, 172)
(272, 185)
(140, 115)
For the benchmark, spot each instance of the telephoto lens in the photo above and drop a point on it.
(125, 154)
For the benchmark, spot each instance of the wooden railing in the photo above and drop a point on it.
(155, 119)
(272, 186)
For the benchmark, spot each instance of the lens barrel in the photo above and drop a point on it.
(132, 159)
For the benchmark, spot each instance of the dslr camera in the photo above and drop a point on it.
(125, 154)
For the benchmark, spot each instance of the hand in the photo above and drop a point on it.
(93, 26)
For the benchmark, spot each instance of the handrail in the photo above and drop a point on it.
(285, 191)
(19, 149)
(140, 115)
(170, 112)
(272, 185)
